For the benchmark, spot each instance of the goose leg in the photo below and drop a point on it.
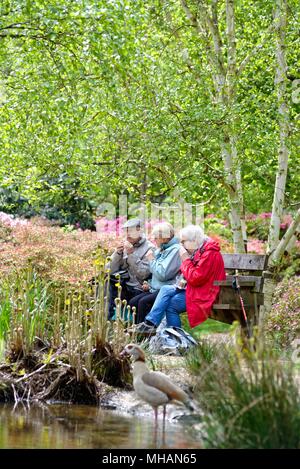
(164, 418)
(155, 414)
(155, 428)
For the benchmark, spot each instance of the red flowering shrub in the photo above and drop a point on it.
(256, 246)
(53, 252)
(225, 245)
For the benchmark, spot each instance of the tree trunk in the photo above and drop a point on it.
(239, 188)
(224, 81)
(275, 248)
(233, 195)
(280, 21)
(268, 291)
(231, 161)
(281, 247)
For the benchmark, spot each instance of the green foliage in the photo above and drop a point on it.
(250, 400)
(205, 352)
(70, 320)
(11, 201)
(289, 265)
(115, 95)
(210, 326)
(259, 228)
(217, 227)
(24, 306)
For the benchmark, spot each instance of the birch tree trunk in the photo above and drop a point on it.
(235, 197)
(231, 81)
(280, 22)
(281, 247)
(242, 206)
(224, 80)
(275, 248)
(293, 240)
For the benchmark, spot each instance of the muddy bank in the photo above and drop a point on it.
(47, 375)
(31, 379)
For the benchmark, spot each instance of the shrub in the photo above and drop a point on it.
(56, 254)
(289, 264)
(258, 226)
(249, 400)
(282, 325)
(217, 227)
(256, 246)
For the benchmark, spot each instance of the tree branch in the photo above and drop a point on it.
(254, 51)
(278, 252)
(214, 51)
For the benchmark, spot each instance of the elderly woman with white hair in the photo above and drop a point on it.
(164, 266)
(202, 264)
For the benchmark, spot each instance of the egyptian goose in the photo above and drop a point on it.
(154, 387)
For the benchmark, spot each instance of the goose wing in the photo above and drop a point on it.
(161, 382)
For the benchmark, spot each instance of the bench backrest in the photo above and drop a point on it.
(245, 262)
(251, 269)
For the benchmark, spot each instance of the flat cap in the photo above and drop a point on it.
(132, 223)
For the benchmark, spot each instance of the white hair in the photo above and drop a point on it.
(193, 233)
(163, 230)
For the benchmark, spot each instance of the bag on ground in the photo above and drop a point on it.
(171, 341)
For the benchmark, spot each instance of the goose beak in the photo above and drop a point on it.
(124, 353)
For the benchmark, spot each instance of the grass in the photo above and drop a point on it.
(24, 307)
(210, 326)
(71, 321)
(249, 397)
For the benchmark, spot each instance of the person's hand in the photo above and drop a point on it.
(146, 286)
(150, 255)
(129, 247)
(182, 283)
(183, 253)
(120, 248)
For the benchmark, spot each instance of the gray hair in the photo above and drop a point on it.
(163, 230)
(193, 233)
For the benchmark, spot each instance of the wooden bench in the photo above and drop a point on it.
(251, 273)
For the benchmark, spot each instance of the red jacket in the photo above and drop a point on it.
(200, 273)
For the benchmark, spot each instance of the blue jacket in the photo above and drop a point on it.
(166, 265)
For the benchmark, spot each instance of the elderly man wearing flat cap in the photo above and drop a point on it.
(131, 256)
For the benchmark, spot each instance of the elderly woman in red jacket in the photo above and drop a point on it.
(202, 264)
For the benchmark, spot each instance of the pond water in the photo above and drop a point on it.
(79, 426)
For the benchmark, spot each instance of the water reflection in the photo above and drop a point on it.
(75, 426)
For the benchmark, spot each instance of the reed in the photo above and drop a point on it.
(249, 396)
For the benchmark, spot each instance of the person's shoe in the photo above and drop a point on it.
(145, 329)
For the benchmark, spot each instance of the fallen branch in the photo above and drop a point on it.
(39, 369)
(16, 398)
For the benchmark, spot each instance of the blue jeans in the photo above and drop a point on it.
(170, 302)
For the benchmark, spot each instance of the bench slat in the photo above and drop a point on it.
(217, 306)
(228, 283)
(245, 261)
(229, 296)
(244, 281)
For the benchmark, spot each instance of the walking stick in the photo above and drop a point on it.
(237, 288)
